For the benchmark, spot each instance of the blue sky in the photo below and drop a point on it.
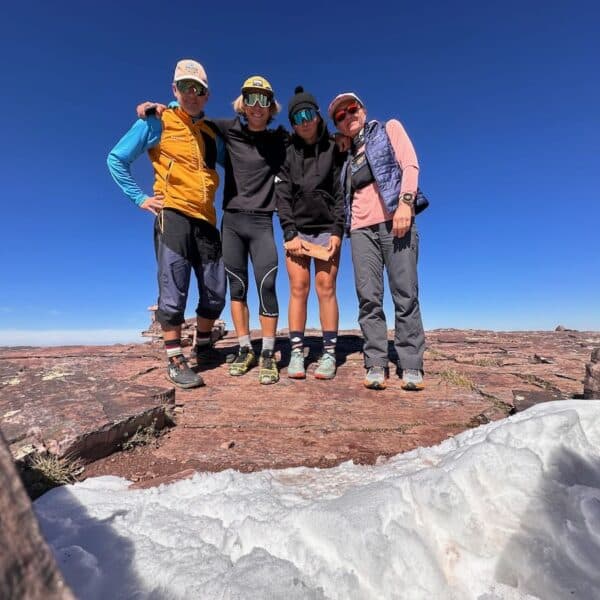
(501, 101)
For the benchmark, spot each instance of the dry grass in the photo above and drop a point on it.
(452, 377)
(142, 437)
(488, 362)
(54, 470)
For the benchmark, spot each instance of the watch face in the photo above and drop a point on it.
(408, 197)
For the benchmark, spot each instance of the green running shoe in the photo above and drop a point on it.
(268, 372)
(296, 368)
(243, 362)
(326, 367)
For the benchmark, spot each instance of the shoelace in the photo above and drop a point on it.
(267, 362)
(179, 362)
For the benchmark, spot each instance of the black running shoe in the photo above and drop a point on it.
(206, 354)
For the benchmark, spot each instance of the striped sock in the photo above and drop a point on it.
(297, 340)
(173, 347)
(329, 341)
(202, 338)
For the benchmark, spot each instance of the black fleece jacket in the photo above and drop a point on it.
(252, 161)
(308, 192)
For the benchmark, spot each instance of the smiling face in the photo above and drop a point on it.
(257, 116)
(350, 117)
(188, 98)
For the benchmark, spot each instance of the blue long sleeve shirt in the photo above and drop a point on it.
(143, 135)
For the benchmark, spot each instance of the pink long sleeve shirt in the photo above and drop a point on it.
(368, 207)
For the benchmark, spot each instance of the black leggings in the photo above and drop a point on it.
(251, 233)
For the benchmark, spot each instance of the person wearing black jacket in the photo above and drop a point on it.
(310, 205)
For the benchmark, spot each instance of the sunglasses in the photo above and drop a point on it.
(189, 85)
(351, 109)
(254, 98)
(304, 115)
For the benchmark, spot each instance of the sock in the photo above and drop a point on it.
(329, 341)
(297, 340)
(244, 341)
(268, 343)
(173, 347)
(202, 338)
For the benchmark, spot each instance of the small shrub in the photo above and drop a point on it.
(142, 437)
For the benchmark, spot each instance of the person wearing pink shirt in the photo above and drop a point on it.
(380, 181)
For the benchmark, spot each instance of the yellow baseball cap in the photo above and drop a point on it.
(256, 82)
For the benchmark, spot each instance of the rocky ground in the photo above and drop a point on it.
(86, 402)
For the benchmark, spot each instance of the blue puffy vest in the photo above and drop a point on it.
(385, 169)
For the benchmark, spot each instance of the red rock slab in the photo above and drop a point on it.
(75, 401)
(234, 422)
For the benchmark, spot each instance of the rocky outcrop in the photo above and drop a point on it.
(591, 383)
(84, 401)
(27, 567)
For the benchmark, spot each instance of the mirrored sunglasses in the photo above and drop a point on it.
(304, 115)
(252, 98)
(190, 85)
(351, 109)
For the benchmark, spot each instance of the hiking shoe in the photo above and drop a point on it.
(326, 367)
(375, 378)
(268, 372)
(412, 379)
(179, 372)
(296, 368)
(243, 362)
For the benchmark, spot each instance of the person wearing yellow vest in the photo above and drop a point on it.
(183, 149)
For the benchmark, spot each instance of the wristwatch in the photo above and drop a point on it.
(289, 235)
(408, 198)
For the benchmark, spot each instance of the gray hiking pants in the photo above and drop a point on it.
(374, 249)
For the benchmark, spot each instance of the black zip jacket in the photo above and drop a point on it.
(253, 158)
(308, 190)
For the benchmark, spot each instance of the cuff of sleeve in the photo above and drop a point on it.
(289, 234)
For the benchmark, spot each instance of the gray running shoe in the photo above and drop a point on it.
(243, 362)
(326, 367)
(375, 378)
(179, 372)
(412, 379)
(296, 368)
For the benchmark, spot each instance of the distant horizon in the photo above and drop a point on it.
(46, 338)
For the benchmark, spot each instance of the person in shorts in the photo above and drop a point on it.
(310, 204)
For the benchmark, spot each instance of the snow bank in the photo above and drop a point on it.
(510, 510)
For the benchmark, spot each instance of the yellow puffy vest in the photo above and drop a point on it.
(184, 165)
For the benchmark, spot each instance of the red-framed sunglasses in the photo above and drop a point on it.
(351, 109)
